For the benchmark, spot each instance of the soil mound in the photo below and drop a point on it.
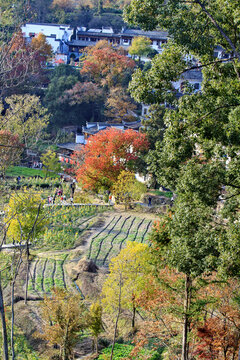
(86, 266)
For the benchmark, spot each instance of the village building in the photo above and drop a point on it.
(91, 128)
(85, 38)
(68, 43)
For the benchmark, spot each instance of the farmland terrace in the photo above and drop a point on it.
(101, 237)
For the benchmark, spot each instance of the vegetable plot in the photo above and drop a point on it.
(110, 240)
(46, 273)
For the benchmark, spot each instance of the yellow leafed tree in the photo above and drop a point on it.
(127, 188)
(25, 216)
(127, 279)
(26, 117)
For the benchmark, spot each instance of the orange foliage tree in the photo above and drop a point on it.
(41, 48)
(106, 65)
(106, 154)
(218, 337)
(21, 62)
(119, 106)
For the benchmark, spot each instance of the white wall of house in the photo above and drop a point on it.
(60, 31)
(145, 179)
(80, 139)
(145, 110)
(178, 85)
(54, 33)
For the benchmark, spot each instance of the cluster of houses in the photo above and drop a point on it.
(91, 128)
(68, 45)
(69, 42)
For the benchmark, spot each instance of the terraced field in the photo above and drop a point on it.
(108, 242)
(46, 273)
(100, 245)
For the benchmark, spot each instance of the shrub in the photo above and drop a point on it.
(122, 351)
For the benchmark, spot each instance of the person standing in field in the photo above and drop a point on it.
(73, 187)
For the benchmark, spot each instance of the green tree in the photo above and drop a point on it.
(69, 100)
(25, 219)
(50, 162)
(21, 213)
(201, 140)
(95, 323)
(61, 112)
(41, 9)
(198, 156)
(141, 46)
(12, 14)
(188, 242)
(198, 25)
(26, 117)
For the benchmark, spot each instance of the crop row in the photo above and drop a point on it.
(113, 237)
(45, 274)
(66, 226)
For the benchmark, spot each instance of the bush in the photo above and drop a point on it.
(122, 351)
(81, 198)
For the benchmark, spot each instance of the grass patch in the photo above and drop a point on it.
(122, 351)
(167, 194)
(25, 171)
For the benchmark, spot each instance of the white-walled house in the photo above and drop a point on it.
(191, 77)
(56, 35)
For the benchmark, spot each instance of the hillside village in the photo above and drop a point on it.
(119, 180)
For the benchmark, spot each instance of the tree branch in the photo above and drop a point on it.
(229, 41)
(208, 64)
(216, 109)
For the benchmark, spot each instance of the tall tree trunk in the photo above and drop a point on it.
(65, 355)
(12, 325)
(186, 323)
(96, 344)
(133, 318)
(134, 311)
(118, 315)
(14, 276)
(4, 328)
(27, 275)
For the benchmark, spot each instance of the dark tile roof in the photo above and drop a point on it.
(151, 34)
(101, 34)
(69, 146)
(49, 24)
(193, 75)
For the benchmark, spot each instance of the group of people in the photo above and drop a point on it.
(59, 194)
(37, 165)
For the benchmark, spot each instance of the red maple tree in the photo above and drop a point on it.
(106, 65)
(20, 63)
(106, 154)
